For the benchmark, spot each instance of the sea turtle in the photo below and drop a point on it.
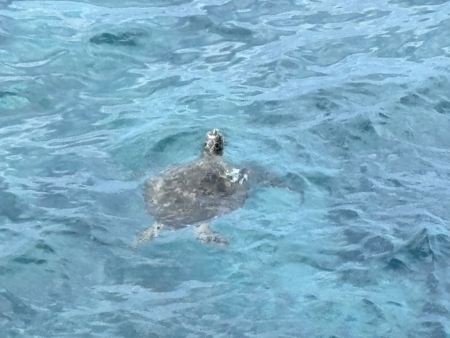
(196, 192)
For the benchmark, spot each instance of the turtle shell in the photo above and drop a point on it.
(195, 192)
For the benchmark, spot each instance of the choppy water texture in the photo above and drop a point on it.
(347, 101)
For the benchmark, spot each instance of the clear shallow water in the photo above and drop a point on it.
(348, 102)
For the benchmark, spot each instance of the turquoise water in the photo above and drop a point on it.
(348, 102)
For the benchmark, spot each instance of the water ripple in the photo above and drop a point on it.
(346, 103)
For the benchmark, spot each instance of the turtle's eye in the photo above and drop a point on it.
(217, 146)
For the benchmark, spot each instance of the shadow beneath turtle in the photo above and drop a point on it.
(119, 39)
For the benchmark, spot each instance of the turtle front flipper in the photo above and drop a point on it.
(207, 236)
(261, 175)
(147, 234)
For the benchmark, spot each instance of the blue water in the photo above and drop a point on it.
(348, 102)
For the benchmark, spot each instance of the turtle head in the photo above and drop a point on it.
(213, 143)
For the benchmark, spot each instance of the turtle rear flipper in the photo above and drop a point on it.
(207, 236)
(147, 234)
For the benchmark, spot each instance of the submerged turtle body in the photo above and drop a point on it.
(195, 192)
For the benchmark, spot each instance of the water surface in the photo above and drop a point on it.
(347, 102)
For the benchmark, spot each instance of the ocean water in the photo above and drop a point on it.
(347, 102)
